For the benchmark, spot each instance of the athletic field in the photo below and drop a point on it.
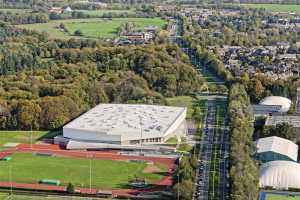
(92, 28)
(3, 195)
(276, 7)
(106, 174)
(27, 197)
(281, 197)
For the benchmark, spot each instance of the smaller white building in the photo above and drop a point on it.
(68, 9)
(280, 175)
(276, 148)
(284, 102)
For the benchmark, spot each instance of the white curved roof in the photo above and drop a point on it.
(277, 145)
(285, 103)
(280, 174)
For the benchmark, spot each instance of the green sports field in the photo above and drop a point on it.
(92, 28)
(30, 168)
(3, 195)
(48, 197)
(281, 197)
(276, 7)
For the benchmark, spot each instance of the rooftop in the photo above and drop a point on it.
(284, 102)
(265, 109)
(119, 119)
(278, 145)
(293, 120)
(280, 174)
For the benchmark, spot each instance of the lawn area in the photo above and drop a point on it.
(27, 197)
(171, 141)
(3, 195)
(281, 197)
(182, 101)
(92, 28)
(20, 136)
(12, 10)
(30, 168)
(276, 7)
(100, 13)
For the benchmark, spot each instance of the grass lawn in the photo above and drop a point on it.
(171, 141)
(182, 101)
(30, 168)
(92, 28)
(27, 197)
(276, 7)
(20, 136)
(3, 195)
(100, 13)
(281, 197)
(13, 10)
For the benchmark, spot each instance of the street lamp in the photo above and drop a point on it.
(141, 138)
(10, 180)
(91, 175)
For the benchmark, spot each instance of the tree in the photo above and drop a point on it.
(243, 170)
(284, 130)
(56, 111)
(70, 188)
(185, 190)
(28, 113)
(256, 90)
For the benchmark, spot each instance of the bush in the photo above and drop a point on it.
(78, 32)
(70, 188)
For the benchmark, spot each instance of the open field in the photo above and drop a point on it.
(3, 195)
(276, 7)
(20, 136)
(92, 28)
(52, 197)
(101, 12)
(15, 10)
(281, 197)
(30, 168)
(182, 101)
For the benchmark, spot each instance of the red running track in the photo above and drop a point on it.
(104, 155)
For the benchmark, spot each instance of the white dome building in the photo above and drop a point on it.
(285, 103)
(280, 175)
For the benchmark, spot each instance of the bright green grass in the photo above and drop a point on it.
(105, 11)
(12, 10)
(3, 195)
(20, 136)
(182, 101)
(281, 197)
(27, 197)
(92, 28)
(172, 140)
(30, 168)
(276, 7)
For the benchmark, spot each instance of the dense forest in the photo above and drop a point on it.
(46, 83)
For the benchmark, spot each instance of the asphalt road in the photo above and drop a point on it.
(208, 143)
(206, 154)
